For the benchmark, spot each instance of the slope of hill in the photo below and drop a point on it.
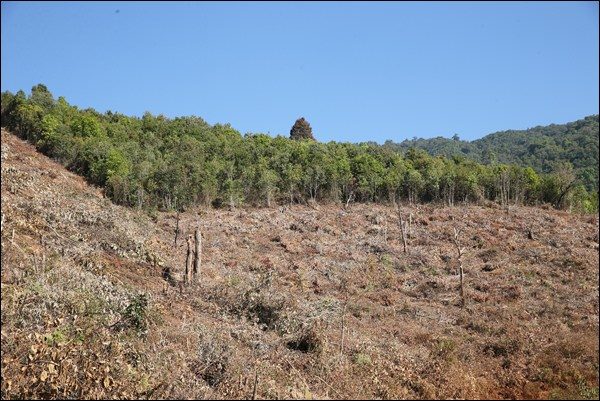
(542, 148)
(292, 302)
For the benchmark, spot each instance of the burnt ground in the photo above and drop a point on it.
(305, 302)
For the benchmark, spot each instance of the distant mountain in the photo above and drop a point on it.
(544, 148)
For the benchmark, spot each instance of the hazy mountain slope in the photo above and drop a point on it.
(542, 148)
(279, 289)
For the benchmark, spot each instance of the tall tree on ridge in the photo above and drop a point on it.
(301, 130)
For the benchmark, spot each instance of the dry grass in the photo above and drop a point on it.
(92, 307)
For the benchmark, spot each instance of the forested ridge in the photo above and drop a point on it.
(171, 163)
(544, 148)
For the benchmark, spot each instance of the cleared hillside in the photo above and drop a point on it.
(92, 306)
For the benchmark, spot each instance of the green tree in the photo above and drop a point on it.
(580, 201)
(565, 180)
(414, 184)
(368, 172)
(338, 172)
(532, 182)
(448, 184)
(86, 125)
(28, 121)
(394, 176)
(41, 96)
(267, 181)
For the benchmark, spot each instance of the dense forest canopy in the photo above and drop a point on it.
(159, 162)
(543, 148)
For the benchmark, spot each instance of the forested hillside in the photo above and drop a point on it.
(159, 162)
(546, 149)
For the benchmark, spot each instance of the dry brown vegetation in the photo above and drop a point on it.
(92, 305)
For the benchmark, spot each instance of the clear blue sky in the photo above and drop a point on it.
(355, 71)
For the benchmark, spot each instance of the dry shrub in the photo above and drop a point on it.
(488, 255)
(63, 347)
(375, 218)
(263, 304)
(214, 354)
(566, 367)
(254, 298)
(418, 259)
(309, 338)
(511, 292)
(505, 347)
(134, 316)
(571, 263)
(266, 309)
(428, 288)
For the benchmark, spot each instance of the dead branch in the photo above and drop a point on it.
(176, 230)
(350, 197)
(402, 229)
(197, 254)
(460, 252)
(255, 384)
(343, 327)
(188, 261)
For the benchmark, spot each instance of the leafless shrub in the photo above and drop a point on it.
(511, 292)
(505, 347)
(488, 255)
(213, 358)
(307, 339)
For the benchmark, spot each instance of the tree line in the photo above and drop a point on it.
(544, 148)
(172, 163)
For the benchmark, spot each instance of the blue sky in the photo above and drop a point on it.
(356, 71)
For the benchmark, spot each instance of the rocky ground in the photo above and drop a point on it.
(291, 302)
